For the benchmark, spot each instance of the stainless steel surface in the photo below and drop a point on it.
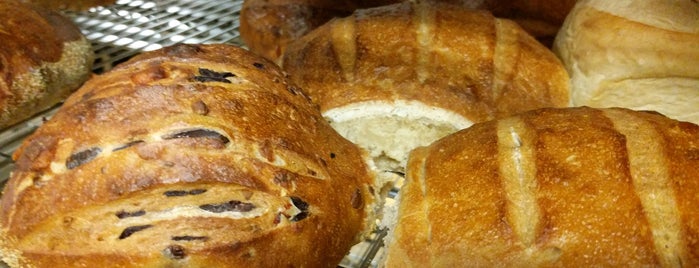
(120, 31)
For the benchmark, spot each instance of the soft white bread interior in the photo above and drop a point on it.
(570, 187)
(389, 130)
(637, 54)
(399, 76)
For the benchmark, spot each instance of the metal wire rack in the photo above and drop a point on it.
(129, 27)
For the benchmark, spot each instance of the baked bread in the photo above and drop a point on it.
(74, 5)
(267, 26)
(188, 156)
(43, 58)
(568, 187)
(641, 55)
(396, 77)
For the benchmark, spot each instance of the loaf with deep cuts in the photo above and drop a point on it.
(395, 77)
(187, 156)
(569, 187)
(267, 26)
(43, 58)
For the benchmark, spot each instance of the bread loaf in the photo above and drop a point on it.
(573, 187)
(43, 58)
(399, 76)
(267, 26)
(641, 55)
(188, 156)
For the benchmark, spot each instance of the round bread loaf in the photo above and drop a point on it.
(188, 156)
(396, 77)
(569, 187)
(267, 26)
(641, 55)
(43, 58)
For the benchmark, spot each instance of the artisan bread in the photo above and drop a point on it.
(188, 156)
(395, 77)
(566, 187)
(43, 58)
(641, 55)
(267, 26)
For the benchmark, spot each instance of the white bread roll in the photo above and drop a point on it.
(573, 187)
(396, 77)
(641, 55)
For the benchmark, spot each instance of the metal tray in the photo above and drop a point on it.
(129, 27)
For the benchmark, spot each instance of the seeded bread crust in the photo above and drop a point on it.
(189, 156)
(422, 64)
(575, 187)
(43, 58)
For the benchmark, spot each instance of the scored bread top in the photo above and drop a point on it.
(448, 56)
(192, 155)
(267, 26)
(554, 187)
(396, 77)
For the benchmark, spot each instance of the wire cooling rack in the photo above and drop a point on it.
(120, 31)
(129, 27)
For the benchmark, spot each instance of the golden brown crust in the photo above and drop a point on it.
(192, 155)
(443, 55)
(554, 187)
(43, 58)
(267, 26)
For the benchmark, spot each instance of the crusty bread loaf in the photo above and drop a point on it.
(568, 187)
(43, 58)
(267, 26)
(637, 54)
(188, 156)
(399, 76)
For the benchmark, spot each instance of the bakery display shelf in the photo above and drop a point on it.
(129, 27)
